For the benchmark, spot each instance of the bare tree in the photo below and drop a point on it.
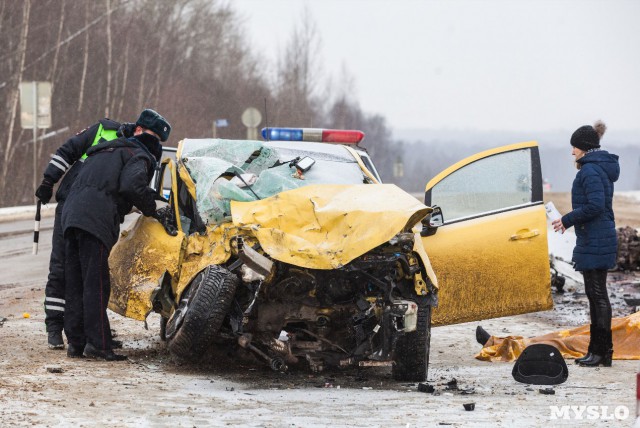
(14, 92)
(107, 96)
(189, 59)
(85, 57)
(299, 73)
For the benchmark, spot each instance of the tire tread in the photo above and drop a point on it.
(205, 315)
(411, 361)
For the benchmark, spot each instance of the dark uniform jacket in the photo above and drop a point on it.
(115, 178)
(66, 160)
(592, 215)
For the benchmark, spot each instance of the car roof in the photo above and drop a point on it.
(313, 147)
(334, 150)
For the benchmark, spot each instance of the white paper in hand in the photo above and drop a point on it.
(552, 212)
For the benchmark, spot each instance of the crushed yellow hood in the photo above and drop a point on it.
(327, 226)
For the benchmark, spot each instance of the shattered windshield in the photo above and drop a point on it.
(246, 170)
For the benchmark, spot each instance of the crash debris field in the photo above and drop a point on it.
(42, 387)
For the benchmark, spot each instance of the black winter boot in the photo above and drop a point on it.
(587, 356)
(54, 339)
(589, 349)
(482, 336)
(602, 349)
(75, 351)
(599, 360)
(91, 351)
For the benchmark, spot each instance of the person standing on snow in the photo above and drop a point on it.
(595, 228)
(65, 164)
(115, 178)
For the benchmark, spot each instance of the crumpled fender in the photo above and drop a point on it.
(138, 261)
(327, 226)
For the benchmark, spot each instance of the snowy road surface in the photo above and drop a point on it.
(152, 390)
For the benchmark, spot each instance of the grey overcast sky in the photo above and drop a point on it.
(473, 64)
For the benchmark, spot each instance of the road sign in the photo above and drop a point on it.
(35, 101)
(251, 117)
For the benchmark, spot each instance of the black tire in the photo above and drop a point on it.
(163, 328)
(411, 354)
(202, 310)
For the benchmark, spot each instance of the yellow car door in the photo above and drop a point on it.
(490, 253)
(142, 256)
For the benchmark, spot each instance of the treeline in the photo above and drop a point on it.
(188, 59)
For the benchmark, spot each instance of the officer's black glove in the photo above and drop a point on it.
(166, 218)
(45, 191)
(159, 197)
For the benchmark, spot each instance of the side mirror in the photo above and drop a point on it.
(432, 222)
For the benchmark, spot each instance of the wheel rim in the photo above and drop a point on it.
(177, 318)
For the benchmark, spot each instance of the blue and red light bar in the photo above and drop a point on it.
(313, 134)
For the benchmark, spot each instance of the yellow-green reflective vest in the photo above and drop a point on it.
(102, 135)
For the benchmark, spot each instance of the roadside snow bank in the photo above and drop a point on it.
(26, 212)
(633, 194)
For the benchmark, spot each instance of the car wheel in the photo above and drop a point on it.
(201, 312)
(411, 361)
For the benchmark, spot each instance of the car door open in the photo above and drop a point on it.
(490, 252)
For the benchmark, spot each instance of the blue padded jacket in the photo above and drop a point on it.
(592, 215)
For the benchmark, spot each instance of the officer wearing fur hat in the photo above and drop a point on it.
(596, 242)
(115, 178)
(64, 167)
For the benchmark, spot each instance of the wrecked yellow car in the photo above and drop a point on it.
(295, 251)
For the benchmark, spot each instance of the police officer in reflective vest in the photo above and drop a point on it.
(115, 178)
(67, 162)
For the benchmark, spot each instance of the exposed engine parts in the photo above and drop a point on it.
(353, 315)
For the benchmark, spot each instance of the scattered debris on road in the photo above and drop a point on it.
(425, 387)
(628, 248)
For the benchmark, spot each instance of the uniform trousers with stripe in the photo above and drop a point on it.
(87, 290)
(54, 301)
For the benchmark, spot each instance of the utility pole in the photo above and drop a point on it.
(35, 138)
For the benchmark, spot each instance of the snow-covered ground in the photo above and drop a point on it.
(634, 194)
(153, 390)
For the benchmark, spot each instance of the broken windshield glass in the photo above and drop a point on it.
(246, 170)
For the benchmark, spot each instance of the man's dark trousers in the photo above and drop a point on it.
(54, 301)
(87, 290)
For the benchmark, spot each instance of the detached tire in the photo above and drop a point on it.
(201, 312)
(411, 361)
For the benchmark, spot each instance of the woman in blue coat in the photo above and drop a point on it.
(595, 228)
